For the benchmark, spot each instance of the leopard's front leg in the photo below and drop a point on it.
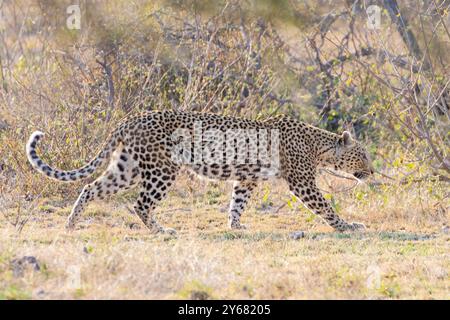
(313, 199)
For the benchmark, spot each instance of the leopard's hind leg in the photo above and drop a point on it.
(122, 174)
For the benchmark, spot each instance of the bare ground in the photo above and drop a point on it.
(404, 254)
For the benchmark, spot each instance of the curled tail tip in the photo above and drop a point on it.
(31, 146)
(36, 135)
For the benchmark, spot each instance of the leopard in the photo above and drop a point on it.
(147, 151)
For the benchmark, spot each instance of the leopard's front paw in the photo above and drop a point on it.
(157, 229)
(238, 226)
(169, 231)
(355, 226)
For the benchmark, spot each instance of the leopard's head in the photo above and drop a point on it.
(349, 156)
(352, 157)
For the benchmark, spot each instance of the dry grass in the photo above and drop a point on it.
(225, 60)
(405, 253)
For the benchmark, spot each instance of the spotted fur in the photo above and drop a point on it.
(141, 152)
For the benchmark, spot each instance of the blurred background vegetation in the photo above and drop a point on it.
(317, 61)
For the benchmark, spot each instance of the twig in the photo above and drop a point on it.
(111, 95)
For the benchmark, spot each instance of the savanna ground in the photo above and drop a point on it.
(316, 61)
(403, 255)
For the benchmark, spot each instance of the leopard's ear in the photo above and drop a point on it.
(346, 139)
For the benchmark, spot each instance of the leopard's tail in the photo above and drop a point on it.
(104, 154)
